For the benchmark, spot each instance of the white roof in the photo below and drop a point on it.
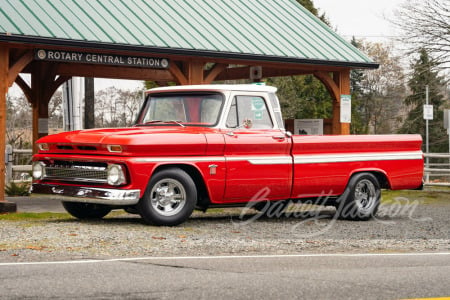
(216, 87)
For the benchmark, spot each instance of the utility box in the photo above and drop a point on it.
(306, 126)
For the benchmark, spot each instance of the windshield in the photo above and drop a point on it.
(182, 109)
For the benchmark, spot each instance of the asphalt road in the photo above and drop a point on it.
(346, 276)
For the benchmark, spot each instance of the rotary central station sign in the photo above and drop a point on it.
(101, 59)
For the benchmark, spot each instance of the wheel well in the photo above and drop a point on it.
(202, 197)
(381, 177)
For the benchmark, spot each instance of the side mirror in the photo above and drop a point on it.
(247, 123)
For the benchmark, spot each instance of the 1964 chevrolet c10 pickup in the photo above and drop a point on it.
(196, 147)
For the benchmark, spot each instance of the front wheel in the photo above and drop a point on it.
(86, 211)
(361, 198)
(169, 199)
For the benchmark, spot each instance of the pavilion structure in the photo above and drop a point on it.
(186, 42)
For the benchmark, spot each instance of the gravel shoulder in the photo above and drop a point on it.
(418, 222)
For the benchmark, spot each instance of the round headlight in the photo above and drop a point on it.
(38, 170)
(116, 175)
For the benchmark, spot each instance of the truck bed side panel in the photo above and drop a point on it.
(324, 164)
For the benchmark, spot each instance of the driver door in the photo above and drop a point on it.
(258, 160)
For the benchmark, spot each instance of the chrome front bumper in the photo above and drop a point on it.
(87, 194)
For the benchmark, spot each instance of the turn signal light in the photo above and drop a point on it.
(43, 147)
(114, 148)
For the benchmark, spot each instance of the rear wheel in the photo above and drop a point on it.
(86, 211)
(361, 198)
(169, 199)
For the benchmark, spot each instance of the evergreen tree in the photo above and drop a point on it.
(309, 5)
(424, 74)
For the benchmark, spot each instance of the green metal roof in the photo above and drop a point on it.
(267, 30)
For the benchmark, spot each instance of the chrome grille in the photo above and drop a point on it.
(77, 171)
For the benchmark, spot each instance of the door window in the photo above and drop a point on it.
(249, 108)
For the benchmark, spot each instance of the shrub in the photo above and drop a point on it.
(17, 189)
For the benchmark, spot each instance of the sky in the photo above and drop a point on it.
(360, 18)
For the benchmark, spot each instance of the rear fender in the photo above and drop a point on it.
(380, 174)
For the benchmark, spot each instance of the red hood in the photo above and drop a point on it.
(153, 141)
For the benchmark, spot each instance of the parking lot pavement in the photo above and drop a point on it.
(36, 204)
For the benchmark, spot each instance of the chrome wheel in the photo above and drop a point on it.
(168, 197)
(365, 196)
(361, 198)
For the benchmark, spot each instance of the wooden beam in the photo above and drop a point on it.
(244, 73)
(26, 89)
(214, 72)
(84, 70)
(330, 84)
(180, 78)
(17, 66)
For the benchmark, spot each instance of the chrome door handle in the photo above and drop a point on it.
(278, 137)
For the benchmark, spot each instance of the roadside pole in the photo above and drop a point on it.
(427, 115)
(447, 126)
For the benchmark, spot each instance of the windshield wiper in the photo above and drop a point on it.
(160, 121)
(153, 121)
(176, 122)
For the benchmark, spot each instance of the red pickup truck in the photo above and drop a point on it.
(197, 147)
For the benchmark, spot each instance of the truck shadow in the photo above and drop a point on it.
(216, 216)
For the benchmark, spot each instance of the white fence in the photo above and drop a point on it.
(437, 169)
(18, 164)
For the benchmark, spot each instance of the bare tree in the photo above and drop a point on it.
(55, 112)
(18, 131)
(379, 101)
(116, 107)
(425, 24)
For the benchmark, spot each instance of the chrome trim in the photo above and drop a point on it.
(352, 157)
(118, 197)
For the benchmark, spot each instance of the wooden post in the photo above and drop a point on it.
(342, 80)
(194, 71)
(191, 72)
(89, 103)
(39, 103)
(43, 86)
(4, 86)
(337, 85)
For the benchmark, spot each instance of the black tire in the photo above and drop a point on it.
(272, 209)
(86, 211)
(361, 198)
(169, 199)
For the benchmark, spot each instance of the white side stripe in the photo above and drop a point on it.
(298, 158)
(349, 157)
(181, 159)
(263, 160)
